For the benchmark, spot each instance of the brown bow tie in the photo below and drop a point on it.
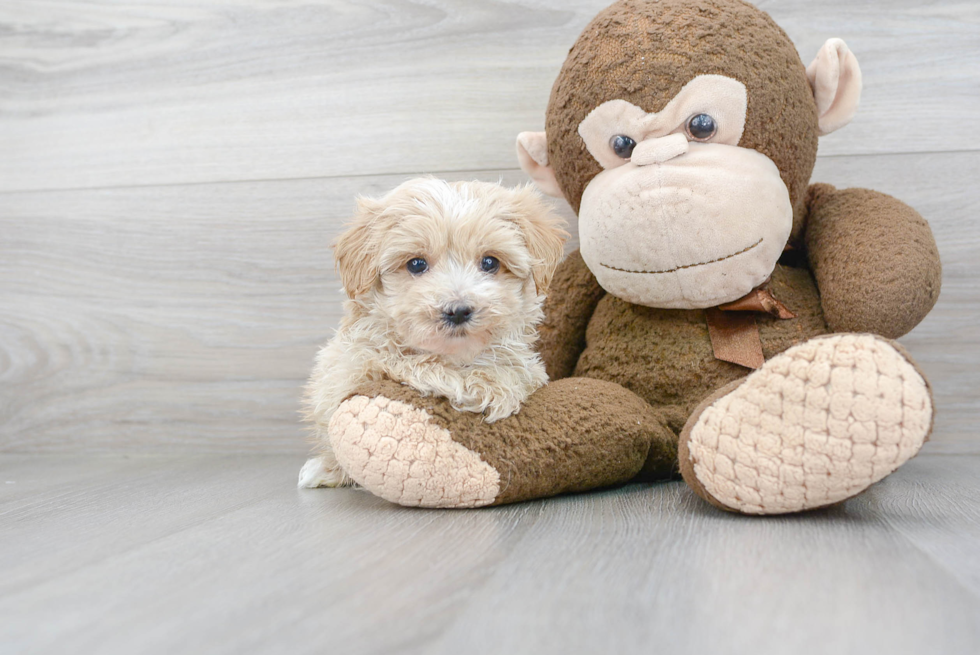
(733, 331)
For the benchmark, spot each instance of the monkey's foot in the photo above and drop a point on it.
(817, 424)
(572, 435)
(394, 451)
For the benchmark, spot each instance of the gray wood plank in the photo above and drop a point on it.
(132, 93)
(136, 501)
(223, 555)
(159, 319)
(679, 577)
(936, 507)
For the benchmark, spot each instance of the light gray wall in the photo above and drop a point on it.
(171, 175)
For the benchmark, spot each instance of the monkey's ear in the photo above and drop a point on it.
(357, 249)
(835, 78)
(532, 153)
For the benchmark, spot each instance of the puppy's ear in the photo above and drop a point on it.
(544, 233)
(358, 249)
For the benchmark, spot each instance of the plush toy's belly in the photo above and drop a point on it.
(665, 355)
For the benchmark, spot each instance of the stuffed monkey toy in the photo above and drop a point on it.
(723, 318)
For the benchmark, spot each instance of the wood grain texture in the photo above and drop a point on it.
(139, 92)
(223, 555)
(160, 311)
(169, 318)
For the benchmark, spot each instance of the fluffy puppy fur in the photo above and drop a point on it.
(444, 283)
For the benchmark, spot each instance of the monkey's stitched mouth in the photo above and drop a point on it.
(678, 268)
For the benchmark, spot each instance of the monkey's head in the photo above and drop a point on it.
(684, 133)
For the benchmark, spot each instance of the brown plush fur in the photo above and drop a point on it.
(645, 52)
(562, 342)
(874, 259)
(537, 454)
(665, 355)
(880, 273)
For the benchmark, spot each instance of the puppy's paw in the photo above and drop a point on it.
(321, 471)
(491, 397)
(502, 408)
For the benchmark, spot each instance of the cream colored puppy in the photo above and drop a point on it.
(444, 282)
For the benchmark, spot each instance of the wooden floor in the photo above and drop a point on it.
(208, 554)
(171, 175)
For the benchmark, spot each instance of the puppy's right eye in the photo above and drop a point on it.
(417, 266)
(490, 264)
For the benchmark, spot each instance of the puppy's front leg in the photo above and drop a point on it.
(500, 394)
(323, 471)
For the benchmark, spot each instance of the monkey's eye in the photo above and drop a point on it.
(622, 145)
(417, 266)
(490, 264)
(701, 127)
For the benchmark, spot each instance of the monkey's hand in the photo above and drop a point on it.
(572, 299)
(874, 260)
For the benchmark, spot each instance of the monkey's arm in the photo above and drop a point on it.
(572, 298)
(874, 259)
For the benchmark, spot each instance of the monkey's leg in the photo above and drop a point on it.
(816, 425)
(572, 435)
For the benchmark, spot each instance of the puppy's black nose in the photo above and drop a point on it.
(457, 315)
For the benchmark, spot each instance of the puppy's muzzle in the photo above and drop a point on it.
(456, 316)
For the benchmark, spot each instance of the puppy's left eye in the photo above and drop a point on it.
(490, 264)
(417, 266)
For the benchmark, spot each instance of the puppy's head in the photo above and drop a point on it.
(452, 267)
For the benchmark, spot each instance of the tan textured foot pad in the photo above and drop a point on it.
(394, 451)
(815, 425)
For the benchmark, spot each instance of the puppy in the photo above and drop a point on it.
(444, 286)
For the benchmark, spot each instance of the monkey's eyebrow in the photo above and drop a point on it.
(725, 99)
(671, 270)
(621, 113)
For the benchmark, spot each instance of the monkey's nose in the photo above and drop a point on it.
(457, 315)
(657, 150)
